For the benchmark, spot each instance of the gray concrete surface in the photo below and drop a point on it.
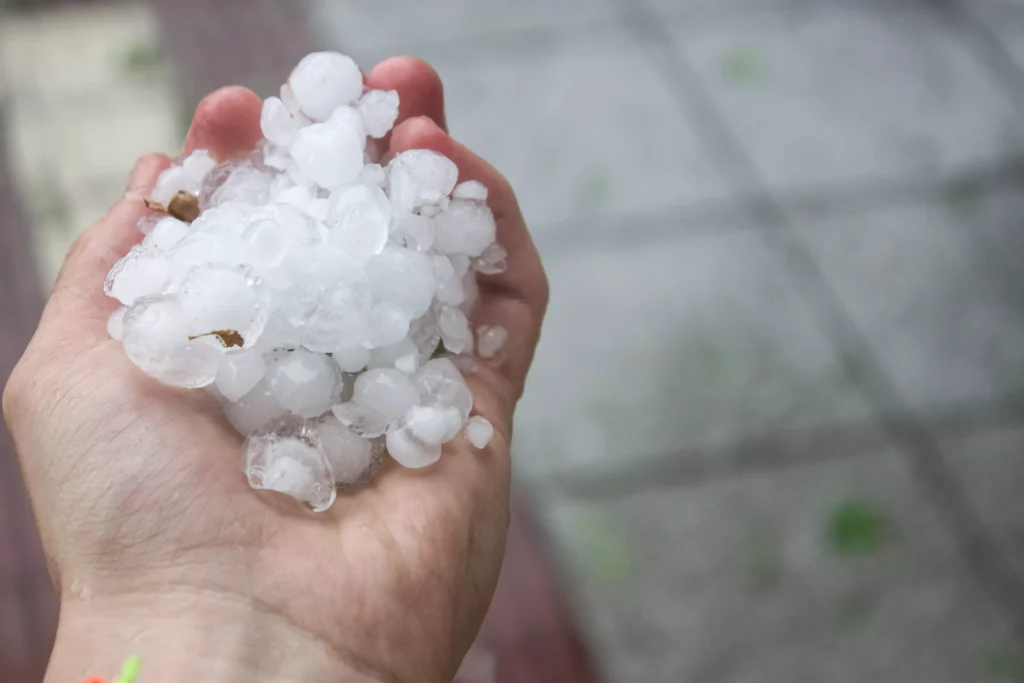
(776, 417)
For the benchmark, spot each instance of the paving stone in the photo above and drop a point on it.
(838, 94)
(990, 468)
(677, 344)
(751, 579)
(918, 284)
(581, 125)
(56, 55)
(395, 26)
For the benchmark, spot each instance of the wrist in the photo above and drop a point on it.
(186, 637)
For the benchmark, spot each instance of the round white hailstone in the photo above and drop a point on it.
(140, 273)
(255, 410)
(455, 331)
(362, 420)
(379, 109)
(443, 268)
(219, 299)
(331, 157)
(292, 104)
(195, 167)
(350, 455)
(302, 382)
(416, 232)
(349, 119)
(479, 431)
(490, 340)
(166, 233)
(433, 424)
(418, 177)
(460, 264)
(340, 320)
(155, 339)
(440, 382)
(471, 189)
(115, 323)
(277, 123)
(402, 356)
(389, 324)
(373, 174)
(450, 290)
(403, 276)
(359, 219)
(352, 358)
(389, 392)
(465, 227)
(239, 373)
(408, 451)
(290, 464)
(493, 261)
(324, 81)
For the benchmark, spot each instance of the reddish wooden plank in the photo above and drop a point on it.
(28, 609)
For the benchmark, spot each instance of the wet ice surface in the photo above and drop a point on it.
(315, 288)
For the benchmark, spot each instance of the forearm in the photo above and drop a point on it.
(185, 638)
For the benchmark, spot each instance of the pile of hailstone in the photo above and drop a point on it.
(321, 297)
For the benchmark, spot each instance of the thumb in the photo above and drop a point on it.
(78, 296)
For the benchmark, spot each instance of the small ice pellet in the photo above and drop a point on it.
(115, 323)
(490, 340)
(277, 123)
(479, 431)
(379, 109)
(471, 189)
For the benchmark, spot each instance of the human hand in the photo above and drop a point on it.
(153, 537)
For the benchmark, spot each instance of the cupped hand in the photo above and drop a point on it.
(155, 541)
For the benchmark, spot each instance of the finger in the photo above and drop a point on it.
(78, 294)
(420, 91)
(227, 123)
(517, 298)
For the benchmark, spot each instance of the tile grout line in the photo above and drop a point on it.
(986, 45)
(869, 195)
(773, 451)
(916, 443)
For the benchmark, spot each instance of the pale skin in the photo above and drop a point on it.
(155, 542)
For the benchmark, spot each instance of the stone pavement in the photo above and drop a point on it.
(777, 416)
(85, 91)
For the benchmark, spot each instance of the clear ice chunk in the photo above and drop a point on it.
(287, 458)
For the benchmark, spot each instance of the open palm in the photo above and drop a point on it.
(138, 489)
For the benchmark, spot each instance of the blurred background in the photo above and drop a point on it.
(775, 429)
